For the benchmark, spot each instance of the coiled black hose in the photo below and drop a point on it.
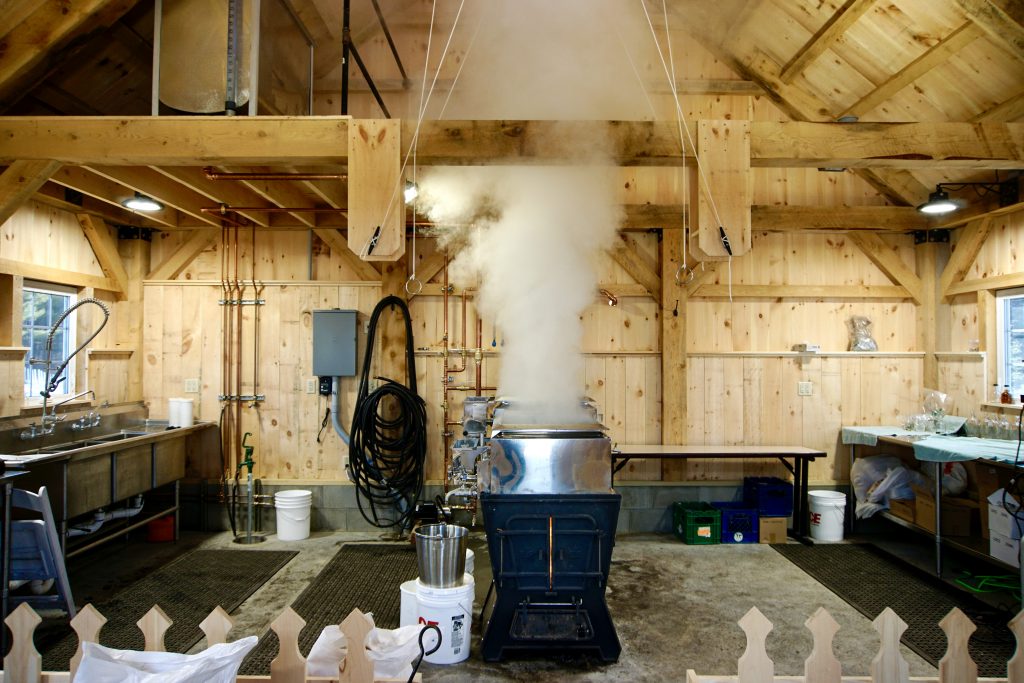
(388, 446)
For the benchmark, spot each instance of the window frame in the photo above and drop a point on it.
(66, 388)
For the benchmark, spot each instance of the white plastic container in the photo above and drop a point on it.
(828, 510)
(452, 610)
(409, 612)
(293, 510)
(469, 561)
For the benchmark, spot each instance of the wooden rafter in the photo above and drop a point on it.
(156, 185)
(218, 192)
(833, 29)
(51, 26)
(971, 240)
(19, 181)
(339, 247)
(48, 274)
(1001, 19)
(1010, 109)
(104, 246)
(882, 255)
(986, 283)
(52, 194)
(624, 253)
(888, 218)
(105, 190)
(940, 53)
(197, 242)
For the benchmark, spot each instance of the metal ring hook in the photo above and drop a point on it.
(408, 290)
(687, 278)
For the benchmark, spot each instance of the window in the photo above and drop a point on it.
(1010, 321)
(42, 305)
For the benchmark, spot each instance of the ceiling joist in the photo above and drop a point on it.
(20, 180)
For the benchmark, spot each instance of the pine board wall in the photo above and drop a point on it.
(741, 375)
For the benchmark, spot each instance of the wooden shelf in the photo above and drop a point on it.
(13, 352)
(110, 353)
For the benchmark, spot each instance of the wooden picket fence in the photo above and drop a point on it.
(888, 666)
(23, 663)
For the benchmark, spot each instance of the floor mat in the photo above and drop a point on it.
(187, 590)
(363, 575)
(870, 581)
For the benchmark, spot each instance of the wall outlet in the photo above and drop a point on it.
(310, 386)
(804, 388)
(192, 386)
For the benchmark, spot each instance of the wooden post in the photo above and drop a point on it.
(392, 327)
(988, 338)
(725, 188)
(888, 666)
(673, 352)
(10, 309)
(23, 662)
(755, 666)
(289, 666)
(216, 626)
(376, 206)
(822, 666)
(130, 320)
(927, 258)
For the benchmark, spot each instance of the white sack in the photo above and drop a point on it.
(215, 664)
(392, 651)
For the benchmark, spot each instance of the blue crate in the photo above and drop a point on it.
(771, 496)
(739, 522)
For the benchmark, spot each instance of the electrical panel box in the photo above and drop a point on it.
(334, 343)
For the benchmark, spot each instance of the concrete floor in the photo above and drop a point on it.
(675, 606)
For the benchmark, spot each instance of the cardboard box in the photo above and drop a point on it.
(772, 529)
(904, 509)
(1001, 512)
(959, 515)
(1004, 548)
(984, 479)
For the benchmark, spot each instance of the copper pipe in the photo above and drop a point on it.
(221, 213)
(211, 174)
(479, 360)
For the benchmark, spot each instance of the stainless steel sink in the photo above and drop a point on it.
(118, 436)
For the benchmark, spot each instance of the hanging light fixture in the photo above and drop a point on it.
(939, 202)
(141, 202)
(411, 191)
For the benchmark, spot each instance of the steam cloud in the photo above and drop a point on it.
(537, 231)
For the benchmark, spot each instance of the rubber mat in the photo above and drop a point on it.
(363, 575)
(187, 590)
(870, 581)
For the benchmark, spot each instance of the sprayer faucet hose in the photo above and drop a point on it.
(51, 383)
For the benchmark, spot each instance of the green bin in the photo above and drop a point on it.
(697, 523)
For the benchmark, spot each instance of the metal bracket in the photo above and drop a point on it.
(131, 232)
(248, 397)
(939, 235)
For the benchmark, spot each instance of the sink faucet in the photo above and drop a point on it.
(50, 421)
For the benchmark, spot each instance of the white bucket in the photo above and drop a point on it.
(452, 610)
(469, 561)
(409, 613)
(828, 509)
(293, 509)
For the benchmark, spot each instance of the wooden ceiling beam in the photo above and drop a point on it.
(1002, 20)
(266, 141)
(625, 254)
(720, 291)
(939, 54)
(35, 271)
(825, 37)
(13, 12)
(20, 181)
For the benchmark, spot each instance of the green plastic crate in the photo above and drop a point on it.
(697, 523)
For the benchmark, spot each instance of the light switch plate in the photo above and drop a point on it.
(804, 388)
(310, 386)
(192, 386)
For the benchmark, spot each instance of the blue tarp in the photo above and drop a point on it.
(958, 448)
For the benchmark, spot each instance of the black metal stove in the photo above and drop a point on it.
(550, 516)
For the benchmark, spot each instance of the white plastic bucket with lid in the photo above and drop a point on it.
(293, 510)
(451, 609)
(827, 510)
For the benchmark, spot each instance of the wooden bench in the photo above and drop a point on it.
(799, 456)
